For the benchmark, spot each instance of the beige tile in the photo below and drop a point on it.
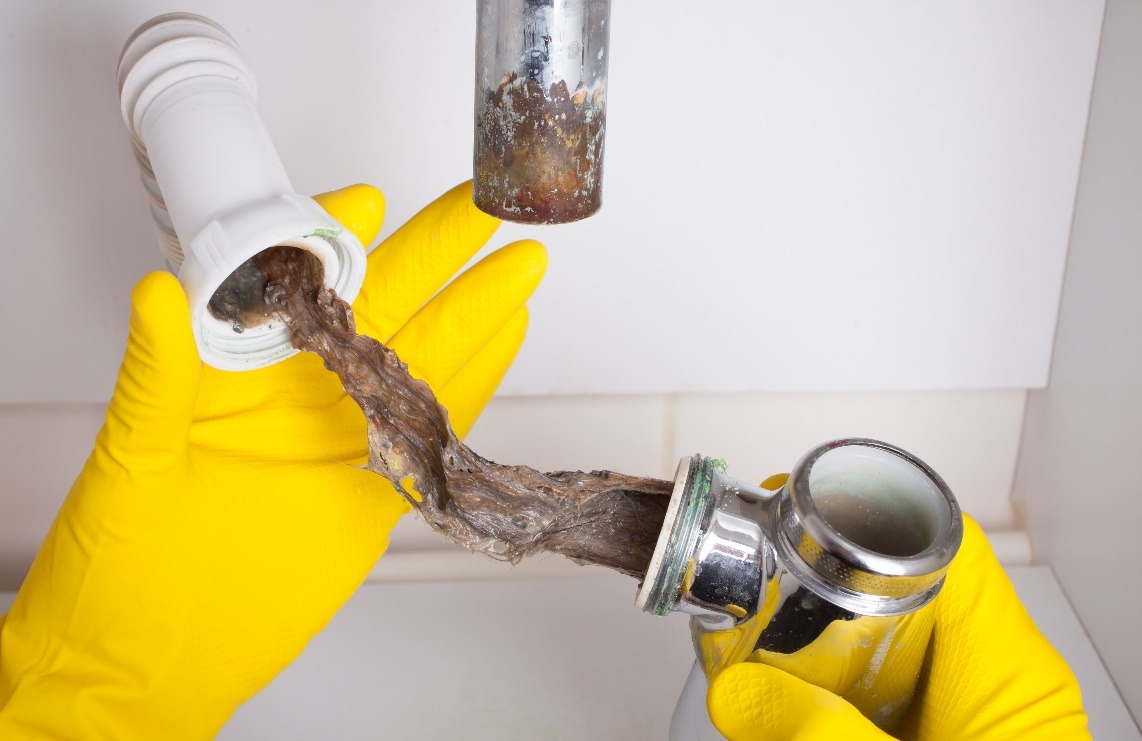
(970, 437)
(437, 564)
(619, 433)
(45, 446)
(551, 433)
(412, 535)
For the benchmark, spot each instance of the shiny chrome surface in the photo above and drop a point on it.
(547, 41)
(712, 556)
(829, 577)
(907, 528)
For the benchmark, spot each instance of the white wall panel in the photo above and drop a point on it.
(970, 437)
(43, 449)
(1076, 477)
(819, 195)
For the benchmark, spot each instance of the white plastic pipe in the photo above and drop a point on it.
(218, 191)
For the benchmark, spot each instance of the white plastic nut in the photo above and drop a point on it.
(217, 189)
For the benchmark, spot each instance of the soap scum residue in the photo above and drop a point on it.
(507, 512)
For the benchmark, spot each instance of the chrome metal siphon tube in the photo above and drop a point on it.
(540, 108)
(829, 576)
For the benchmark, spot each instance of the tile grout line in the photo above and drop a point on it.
(453, 565)
(669, 434)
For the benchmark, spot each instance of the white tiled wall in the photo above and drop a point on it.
(551, 433)
(970, 437)
(622, 433)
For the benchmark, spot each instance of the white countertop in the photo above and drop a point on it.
(557, 659)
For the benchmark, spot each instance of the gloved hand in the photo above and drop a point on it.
(989, 674)
(223, 518)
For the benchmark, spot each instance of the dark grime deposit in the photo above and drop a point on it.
(240, 300)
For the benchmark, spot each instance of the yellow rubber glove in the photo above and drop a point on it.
(989, 674)
(222, 518)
